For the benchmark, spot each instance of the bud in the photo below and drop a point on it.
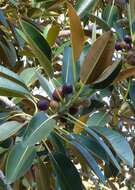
(67, 89)
(57, 94)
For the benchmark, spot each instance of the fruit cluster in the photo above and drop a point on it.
(57, 96)
(125, 44)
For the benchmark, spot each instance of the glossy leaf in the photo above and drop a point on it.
(28, 75)
(104, 146)
(92, 146)
(108, 76)
(39, 128)
(9, 128)
(77, 34)
(12, 89)
(118, 143)
(8, 74)
(45, 84)
(39, 45)
(89, 159)
(100, 22)
(85, 6)
(98, 58)
(53, 33)
(19, 161)
(110, 14)
(98, 119)
(66, 173)
(67, 69)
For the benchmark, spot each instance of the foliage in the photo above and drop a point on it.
(67, 74)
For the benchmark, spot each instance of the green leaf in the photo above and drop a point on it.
(99, 22)
(92, 146)
(98, 58)
(19, 161)
(39, 128)
(12, 89)
(66, 173)
(98, 119)
(45, 84)
(118, 143)
(9, 128)
(89, 159)
(8, 74)
(39, 45)
(67, 67)
(85, 6)
(3, 19)
(8, 52)
(42, 176)
(110, 14)
(28, 75)
(103, 145)
(53, 33)
(57, 142)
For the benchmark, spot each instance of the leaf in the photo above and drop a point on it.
(39, 128)
(45, 84)
(83, 6)
(39, 45)
(99, 22)
(98, 58)
(9, 128)
(3, 19)
(8, 74)
(89, 159)
(57, 143)
(28, 75)
(8, 52)
(118, 143)
(19, 161)
(108, 76)
(123, 75)
(12, 89)
(98, 119)
(53, 33)
(77, 34)
(131, 15)
(67, 69)
(66, 173)
(92, 146)
(42, 176)
(110, 14)
(103, 145)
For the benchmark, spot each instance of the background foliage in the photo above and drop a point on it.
(67, 94)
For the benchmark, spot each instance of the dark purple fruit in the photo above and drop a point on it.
(73, 110)
(58, 94)
(67, 89)
(118, 46)
(128, 39)
(43, 104)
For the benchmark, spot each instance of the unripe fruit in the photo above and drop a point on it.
(128, 39)
(43, 104)
(123, 44)
(54, 105)
(73, 110)
(57, 94)
(118, 46)
(67, 89)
